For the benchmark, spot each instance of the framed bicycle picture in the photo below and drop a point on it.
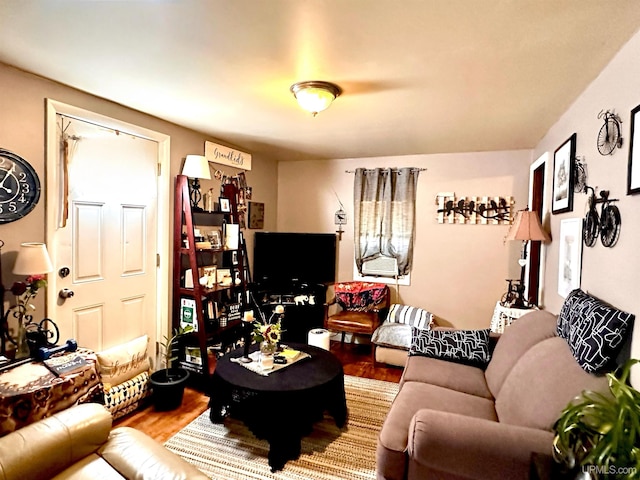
(563, 176)
(633, 173)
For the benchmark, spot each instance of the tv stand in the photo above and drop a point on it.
(303, 307)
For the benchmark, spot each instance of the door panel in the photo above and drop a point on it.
(109, 241)
(87, 325)
(133, 239)
(87, 242)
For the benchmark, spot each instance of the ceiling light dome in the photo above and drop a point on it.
(315, 95)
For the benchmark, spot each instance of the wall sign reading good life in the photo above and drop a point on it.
(227, 156)
(474, 210)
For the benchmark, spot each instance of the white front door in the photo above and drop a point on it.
(108, 239)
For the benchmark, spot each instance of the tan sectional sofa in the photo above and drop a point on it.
(455, 421)
(78, 443)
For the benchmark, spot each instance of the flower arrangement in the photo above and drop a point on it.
(269, 331)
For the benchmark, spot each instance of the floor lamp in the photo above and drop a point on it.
(526, 227)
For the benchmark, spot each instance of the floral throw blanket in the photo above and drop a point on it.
(360, 296)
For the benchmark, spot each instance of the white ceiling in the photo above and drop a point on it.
(419, 76)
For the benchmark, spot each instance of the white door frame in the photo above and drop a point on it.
(164, 188)
(540, 161)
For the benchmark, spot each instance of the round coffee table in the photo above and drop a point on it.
(283, 406)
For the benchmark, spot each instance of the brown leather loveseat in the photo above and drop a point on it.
(78, 443)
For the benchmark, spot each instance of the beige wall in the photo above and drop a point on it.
(22, 130)
(609, 273)
(459, 271)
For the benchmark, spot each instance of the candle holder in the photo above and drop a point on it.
(247, 323)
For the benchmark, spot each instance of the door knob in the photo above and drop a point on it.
(65, 293)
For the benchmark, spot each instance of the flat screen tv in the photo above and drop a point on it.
(281, 259)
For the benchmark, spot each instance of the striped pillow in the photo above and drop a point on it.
(414, 316)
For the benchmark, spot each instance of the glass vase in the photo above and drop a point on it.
(22, 346)
(267, 351)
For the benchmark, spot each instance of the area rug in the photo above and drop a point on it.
(229, 451)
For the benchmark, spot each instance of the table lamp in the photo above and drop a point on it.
(196, 167)
(526, 227)
(33, 259)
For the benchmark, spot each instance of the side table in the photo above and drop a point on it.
(30, 392)
(505, 316)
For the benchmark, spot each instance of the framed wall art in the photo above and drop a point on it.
(569, 256)
(256, 215)
(633, 174)
(563, 177)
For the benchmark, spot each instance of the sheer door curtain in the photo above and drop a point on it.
(384, 208)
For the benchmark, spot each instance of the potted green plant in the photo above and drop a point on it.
(168, 384)
(598, 435)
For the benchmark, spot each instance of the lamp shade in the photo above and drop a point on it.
(527, 227)
(196, 166)
(315, 96)
(33, 259)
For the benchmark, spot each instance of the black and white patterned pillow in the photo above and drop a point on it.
(594, 330)
(464, 346)
(414, 316)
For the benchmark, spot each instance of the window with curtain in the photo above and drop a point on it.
(384, 211)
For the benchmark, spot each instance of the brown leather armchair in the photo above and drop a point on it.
(362, 308)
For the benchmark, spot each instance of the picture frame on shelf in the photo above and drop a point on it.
(215, 238)
(570, 256)
(225, 204)
(563, 176)
(231, 234)
(208, 276)
(633, 171)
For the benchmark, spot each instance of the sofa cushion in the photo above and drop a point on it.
(123, 362)
(466, 346)
(452, 375)
(395, 335)
(127, 396)
(135, 455)
(414, 316)
(541, 384)
(519, 337)
(413, 396)
(595, 330)
(92, 466)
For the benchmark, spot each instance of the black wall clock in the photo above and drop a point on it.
(19, 187)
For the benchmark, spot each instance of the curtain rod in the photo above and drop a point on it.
(393, 170)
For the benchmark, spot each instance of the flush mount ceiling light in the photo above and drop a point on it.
(315, 95)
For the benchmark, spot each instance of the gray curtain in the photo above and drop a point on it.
(384, 206)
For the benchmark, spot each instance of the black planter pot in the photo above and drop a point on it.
(168, 390)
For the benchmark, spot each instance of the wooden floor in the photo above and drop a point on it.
(356, 361)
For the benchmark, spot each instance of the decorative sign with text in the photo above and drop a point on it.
(227, 156)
